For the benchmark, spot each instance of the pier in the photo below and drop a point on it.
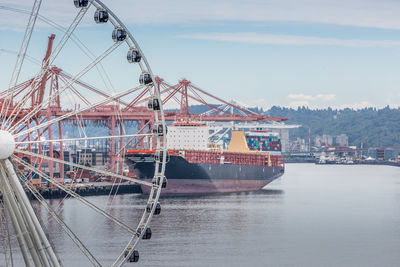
(88, 189)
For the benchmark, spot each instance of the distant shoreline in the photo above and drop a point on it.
(386, 163)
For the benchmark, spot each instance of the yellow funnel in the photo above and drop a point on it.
(238, 142)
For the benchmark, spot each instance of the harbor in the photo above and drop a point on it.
(312, 210)
(133, 134)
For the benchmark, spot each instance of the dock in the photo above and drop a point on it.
(89, 189)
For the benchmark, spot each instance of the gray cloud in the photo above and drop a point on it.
(359, 13)
(303, 97)
(279, 39)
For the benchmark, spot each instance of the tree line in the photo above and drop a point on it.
(371, 126)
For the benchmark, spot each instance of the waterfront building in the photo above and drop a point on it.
(342, 140)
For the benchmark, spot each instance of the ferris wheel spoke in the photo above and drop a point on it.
(5, 234)
(27, 57)
(91, 88)
(75, 195)
(82, 138)
(72, 113)
(64, 226)
(68, 33)
(106, 173)
(84, 48)
(76, 92)
(21, 55)
(18, 107)
(134, 137)
(144, 223)
(41, 241)
(24, 240)
(72, 36)
(71, 82)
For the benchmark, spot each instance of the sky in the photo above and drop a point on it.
(314, 53)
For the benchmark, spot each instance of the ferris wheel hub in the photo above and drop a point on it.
(7, 144)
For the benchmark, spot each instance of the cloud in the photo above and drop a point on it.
(280, 39)
(296, 104)
(358, 105)
(305, 103)
(311, 101)
(359, 13)
(260, 100)
(319, 97)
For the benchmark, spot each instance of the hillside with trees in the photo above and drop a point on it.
(374, 127)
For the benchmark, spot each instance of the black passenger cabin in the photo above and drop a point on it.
(133, 56)
(153, 104)
(81, 3)
(147, 234)
(118, 34)
(158, 129)
(157, 180)
(101, 16)
(134, 257)
(145, 78)
(157, 209)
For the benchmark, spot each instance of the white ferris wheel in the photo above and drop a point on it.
(50, 117)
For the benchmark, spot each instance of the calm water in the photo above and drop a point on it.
(313, 216)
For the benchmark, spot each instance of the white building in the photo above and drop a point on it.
(327, 139)
(342, 140)
(192, 136)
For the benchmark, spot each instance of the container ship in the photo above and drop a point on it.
(197, 166)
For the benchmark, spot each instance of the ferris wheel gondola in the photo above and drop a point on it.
(101, 16)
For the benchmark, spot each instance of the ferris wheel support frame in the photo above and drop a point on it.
(29, 214)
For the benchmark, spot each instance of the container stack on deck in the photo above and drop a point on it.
(264, 143)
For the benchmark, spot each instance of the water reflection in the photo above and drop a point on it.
(312, 216)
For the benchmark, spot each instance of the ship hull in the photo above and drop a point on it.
(185, 178)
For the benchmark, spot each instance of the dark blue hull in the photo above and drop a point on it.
(200, 178)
